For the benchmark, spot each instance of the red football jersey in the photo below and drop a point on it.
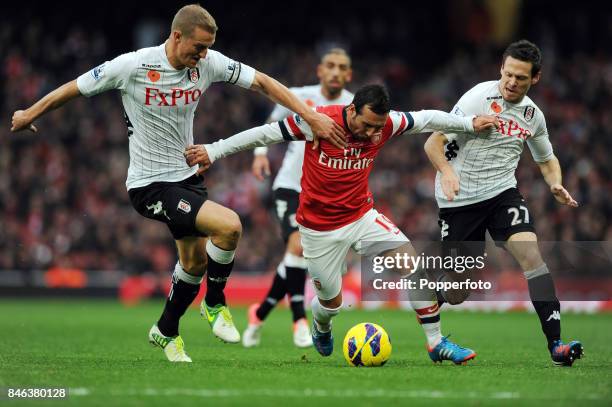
(335, 190)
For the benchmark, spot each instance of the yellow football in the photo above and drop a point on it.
(367, 344)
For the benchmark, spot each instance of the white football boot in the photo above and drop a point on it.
(221, 322)
(301, 334)
(252, 334)
(173, 346)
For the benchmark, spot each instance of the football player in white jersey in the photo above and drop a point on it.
(160, 88)
(334, 72)
(476, 187)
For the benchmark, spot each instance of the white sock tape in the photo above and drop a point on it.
(219, 255)
(291, 260)
(182, 275)
(540, 271)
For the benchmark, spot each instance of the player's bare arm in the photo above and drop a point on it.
(436, 120)
(434, 148)
(322, 126)
(23, 119)
(205, 155)
(261, 166)
(551, 171)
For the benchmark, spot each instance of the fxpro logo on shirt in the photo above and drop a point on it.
(176, 96)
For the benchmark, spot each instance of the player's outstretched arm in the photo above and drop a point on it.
(434, 148)
(322, 126)
(205, 155)
(437, 120)
(261, 164)
(551, 170)
(23, 119)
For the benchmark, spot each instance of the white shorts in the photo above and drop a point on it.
(325, 252)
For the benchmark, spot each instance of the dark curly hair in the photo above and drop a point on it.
(526, 51)
(375, 96)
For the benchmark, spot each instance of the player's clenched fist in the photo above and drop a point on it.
(197, 155)
(21, 121)
(482, 123)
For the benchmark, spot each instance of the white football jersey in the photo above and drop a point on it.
(159, 103)
(485, 162)
(290, 172)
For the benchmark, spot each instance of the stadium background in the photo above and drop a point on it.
(65, 217)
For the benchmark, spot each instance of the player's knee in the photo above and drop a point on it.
(455, 296)
(232, 228)
(524, 248)
(531, 259)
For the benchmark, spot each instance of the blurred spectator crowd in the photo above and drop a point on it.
(63, 200)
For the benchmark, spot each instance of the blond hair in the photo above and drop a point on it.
(191, 16)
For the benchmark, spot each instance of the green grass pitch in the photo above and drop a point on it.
(100, 351)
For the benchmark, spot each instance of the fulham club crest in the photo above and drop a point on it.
(528, 113)
(184, 206)
(194, 75)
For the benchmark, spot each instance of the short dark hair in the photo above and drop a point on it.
(375, 96)
(337, 51)
(525, 51)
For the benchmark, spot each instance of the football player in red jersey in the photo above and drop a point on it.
(336, 211)
(334, 72)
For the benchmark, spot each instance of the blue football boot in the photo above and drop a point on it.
(565, 354)
(322, 341)
(447, 350)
